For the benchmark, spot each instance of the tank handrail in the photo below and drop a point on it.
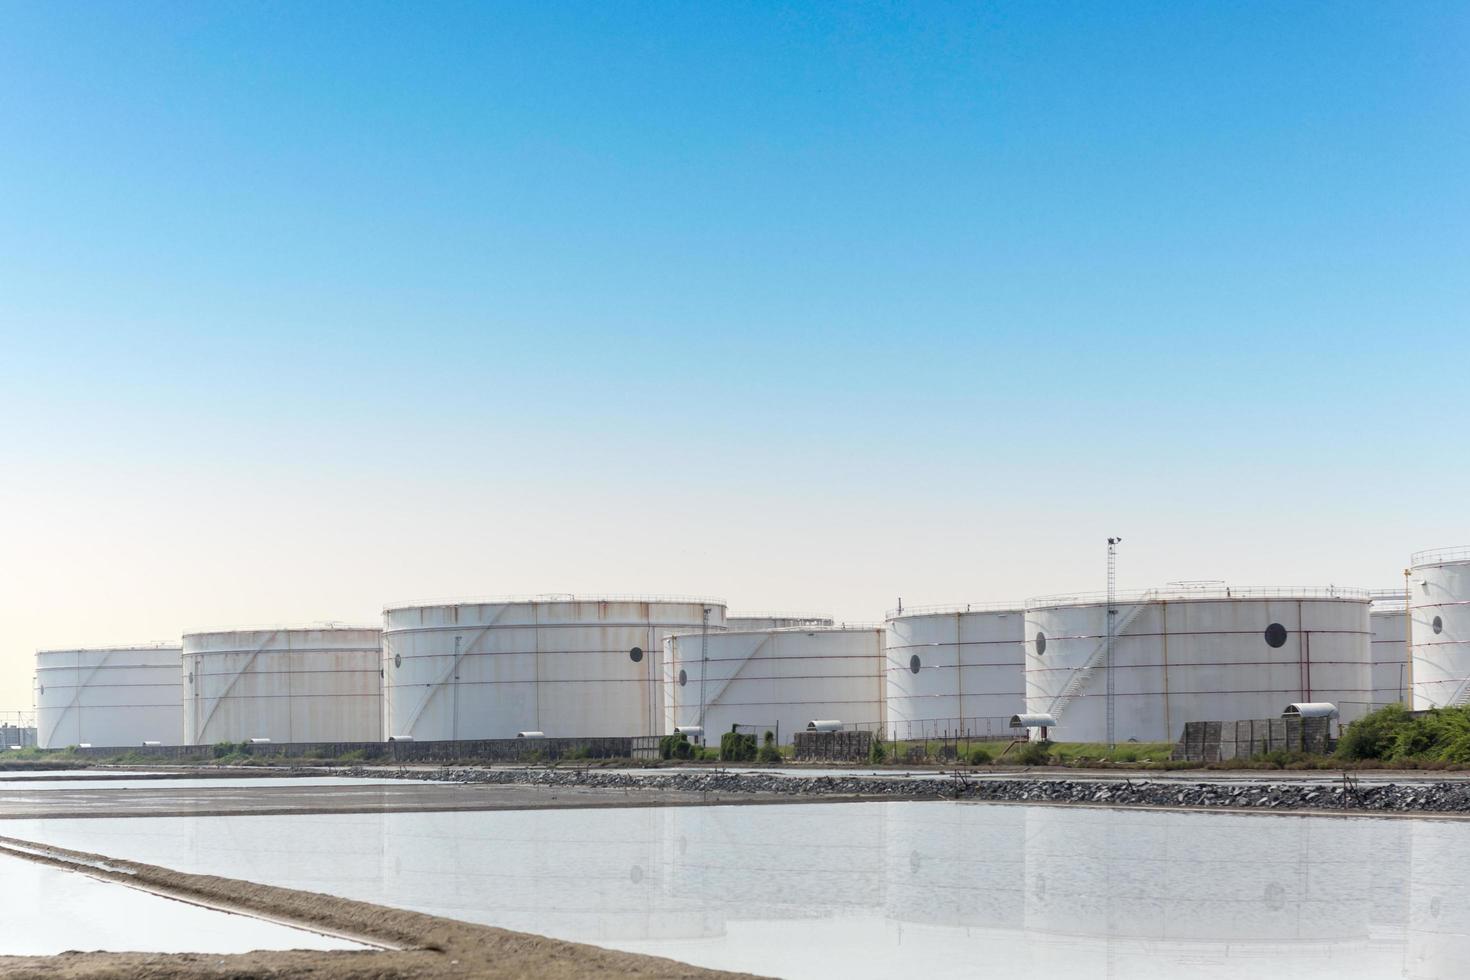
(1440, 556)
(1218, 592)
(287, 628)
(955, 607)
(115, 647)
(687, 631)
(804, 617)
(1389, 600)
(547, 597)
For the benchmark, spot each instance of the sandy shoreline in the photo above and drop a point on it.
(421, 946)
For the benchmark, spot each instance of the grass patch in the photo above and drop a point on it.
(1081, 753)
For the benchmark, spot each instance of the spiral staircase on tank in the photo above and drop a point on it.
(1083, 676)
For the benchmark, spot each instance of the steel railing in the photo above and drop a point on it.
(1210, 592)
(1439, 556)
(546, 597)
(955, 607)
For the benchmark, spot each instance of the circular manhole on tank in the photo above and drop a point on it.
(914, 663)
(683, 678)
(1275, 635)
(1040, 643)
(635, 654)
(1437, 625)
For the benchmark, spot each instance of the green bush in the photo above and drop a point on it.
(979, 757)
(769, 752)
(877, 752)
(1432, 739)
(1371, 737)
(1035, 754)
(675, 746)
(737, 747)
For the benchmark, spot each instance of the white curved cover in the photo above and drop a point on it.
(1439, 606)
(776, 680)
(955, 671)
(310, 684)
(112, 697)
(565, 667)
(1196, 660)
(1390, 658)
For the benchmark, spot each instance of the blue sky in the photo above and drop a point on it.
(307, 307)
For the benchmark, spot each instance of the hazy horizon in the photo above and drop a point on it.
(308, 309)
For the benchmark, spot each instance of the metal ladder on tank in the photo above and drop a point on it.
(1082, 677)
(1461, 697)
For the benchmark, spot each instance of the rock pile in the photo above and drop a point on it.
(1440, 797)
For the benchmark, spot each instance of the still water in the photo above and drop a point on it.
(880, 889)
(223, 782)
(46, 911)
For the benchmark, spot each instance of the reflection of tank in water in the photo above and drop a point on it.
(944, 868)
(1230, 892)
(573, 874)
(1439, 916)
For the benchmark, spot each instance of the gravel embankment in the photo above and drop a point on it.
(1273, 794)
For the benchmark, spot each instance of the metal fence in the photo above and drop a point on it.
(979, 729)
(1216, 741)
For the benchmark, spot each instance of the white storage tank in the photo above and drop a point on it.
(1195, 653)
(1389, 619)
(1439, 613)
(286, 684)
(108, 696)
(567, 666)
(775, 680)
(774, 620)
(955, 670)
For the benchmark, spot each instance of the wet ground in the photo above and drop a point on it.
(801, 888)
(47, 910)
(294, 796)
(876, 889)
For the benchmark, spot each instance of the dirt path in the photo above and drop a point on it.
(422, 946)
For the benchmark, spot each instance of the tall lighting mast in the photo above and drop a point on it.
(1112, 620)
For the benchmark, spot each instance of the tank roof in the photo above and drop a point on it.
(1207, 593)
(114, 648)
(549, 597)
(284, 628)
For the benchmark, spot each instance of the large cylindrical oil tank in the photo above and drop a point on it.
(113, 696)
(774, 620)
(1439, 614)
(565, 665)
(955, 669)
(1389, 619)
(775, 680)
(1195, 654)
(287, 684)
